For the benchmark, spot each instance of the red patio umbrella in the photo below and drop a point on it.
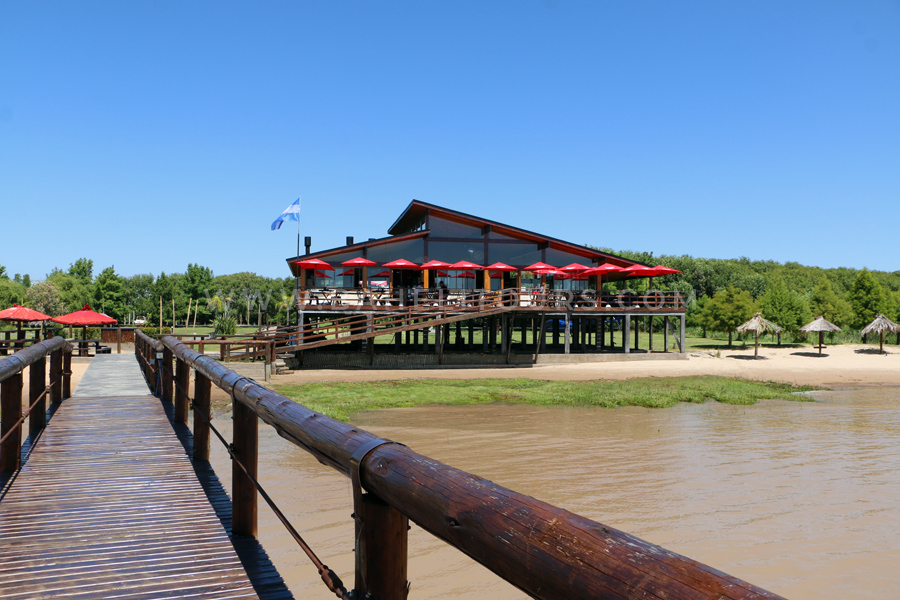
(666, 270)
(382, 274)
(359, 261)
(20, 315)
(84, 317)
(347, 272)
(465, 265)
(574, 268)
(434, 264)
(539, 266)
(314, 263)
(601, 270)
(497, 266)
(400, 263)
(365, 263)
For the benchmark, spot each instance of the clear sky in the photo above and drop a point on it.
(148, 135)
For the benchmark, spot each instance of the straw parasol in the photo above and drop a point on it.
(880, 325)
(757, 324)
(821, 326)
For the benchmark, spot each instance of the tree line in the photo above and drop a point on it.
(723, 293)
(247, 298)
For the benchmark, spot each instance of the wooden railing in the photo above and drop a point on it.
(544, 550)
(430, 311)
(12, 417)
(340, 299)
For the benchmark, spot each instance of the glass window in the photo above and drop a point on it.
(499, 236)
(515, 255)
(449, 229)
(411, 250)
(558, 258)
(452, 252)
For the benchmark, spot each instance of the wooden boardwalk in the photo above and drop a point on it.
(108, 505)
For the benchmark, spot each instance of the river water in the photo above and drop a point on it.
(801, 498)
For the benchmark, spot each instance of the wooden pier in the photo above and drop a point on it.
(108, 504)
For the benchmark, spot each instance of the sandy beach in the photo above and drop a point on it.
(837, 366)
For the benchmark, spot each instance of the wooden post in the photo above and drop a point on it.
(504, 335)
(167, 378)
(56, 368)
(37, 384)
(650, 321)
(666, 333)
(66, 375)
(381, 552)
(567, 332)
(118, 340)
(201, 407)
(370, 342)
(246, 449)
(10, 412)
(182, 383)
(681, 339)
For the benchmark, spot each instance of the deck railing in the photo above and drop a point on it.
(544, 550)
(337, 299)
(12, 417)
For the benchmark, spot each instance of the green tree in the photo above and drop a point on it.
(3, 274)
(108, 291)
(11, 293)
(824, 301)
(137, 295)
(83, 269)
(784, 307)
(866, 298)
(45, 297)
(726, 310)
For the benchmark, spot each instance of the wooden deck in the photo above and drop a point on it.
(109, 505)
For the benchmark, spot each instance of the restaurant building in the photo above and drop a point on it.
(488, 280)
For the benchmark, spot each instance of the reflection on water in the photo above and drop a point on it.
(802, 499)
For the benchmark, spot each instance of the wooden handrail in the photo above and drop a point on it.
(11, 384)
(546, 551)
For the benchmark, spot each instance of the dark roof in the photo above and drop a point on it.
(417, 210)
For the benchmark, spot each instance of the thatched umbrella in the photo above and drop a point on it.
(757, 324)
(822, 326)
(880, 325)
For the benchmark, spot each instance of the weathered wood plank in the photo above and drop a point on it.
(108, 504)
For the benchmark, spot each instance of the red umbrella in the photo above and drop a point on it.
(382, 274)
(347, 272)
(85, 317)
(466, 275)
(365, 263)
(20, 314)
(666, 270)
(641, 271)
(601, 270)
(400, 263)
(499, 266)
(314, 263)
(321, 274)
(465, 265)
(539, 266)
(434, 264)
(574, 268)
(358, 262)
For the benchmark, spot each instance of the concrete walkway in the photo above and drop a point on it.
(112, 375)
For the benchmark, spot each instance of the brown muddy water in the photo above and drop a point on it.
(802, 499)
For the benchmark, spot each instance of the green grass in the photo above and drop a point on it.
(341, 400)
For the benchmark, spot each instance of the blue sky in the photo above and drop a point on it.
(148, 135)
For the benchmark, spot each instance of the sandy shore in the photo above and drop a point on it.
(838, 366)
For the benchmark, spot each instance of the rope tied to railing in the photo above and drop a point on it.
(331, 580)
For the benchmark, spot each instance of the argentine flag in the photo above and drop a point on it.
(291, 213)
